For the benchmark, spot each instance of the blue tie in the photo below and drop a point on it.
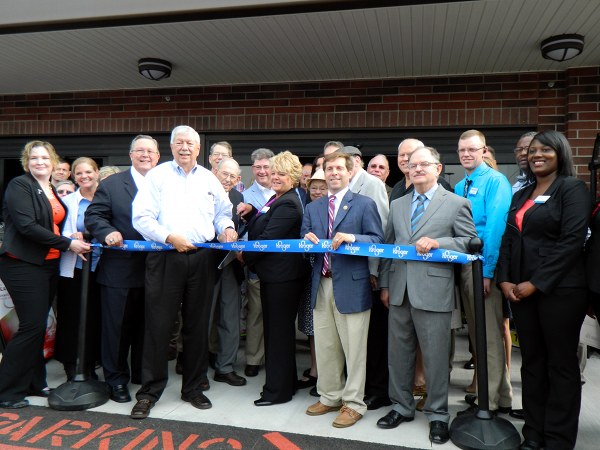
(419, 210)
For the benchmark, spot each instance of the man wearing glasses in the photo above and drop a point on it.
(521, 158)
(379, 167)
(219, 151)
(420, 294)
(257, 195)
(121, 274)
(490, 194)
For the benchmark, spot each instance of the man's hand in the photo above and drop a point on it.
(228, 235)
(114, 239)
(181, 243)
(340, 238)
(508, 291)
(243, 209)
(385, 297)
(312, 237)
(424, 244)
(487, 285)
(374, 282)
(524, 289)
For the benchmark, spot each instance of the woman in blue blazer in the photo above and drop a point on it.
(541, 271)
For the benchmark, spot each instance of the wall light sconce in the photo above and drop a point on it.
(154, 69)
(562, 47)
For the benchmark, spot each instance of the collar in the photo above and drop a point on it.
(429, 194)
(340, 195)
(180, 170)
(482, 169)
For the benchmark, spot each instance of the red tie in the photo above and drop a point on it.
(330, 228)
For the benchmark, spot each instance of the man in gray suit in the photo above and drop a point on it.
(420, 294)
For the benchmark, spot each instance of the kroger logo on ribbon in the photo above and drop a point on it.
(400, 252)
(373, 249)
(425, 256)
(351, 248)
(448, 256)
(156, 247)
(261, 247)
(236, 246)
(326, 245)
(305, 245)
(125, 246)
(283, 247)
(138, 245)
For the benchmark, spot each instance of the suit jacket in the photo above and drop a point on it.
(357, 215)
(110, 211)
(374, 188)
(281, 221)
(254, 196)
(592, 248)
(430, 285)
(29, 231)
(548, 251)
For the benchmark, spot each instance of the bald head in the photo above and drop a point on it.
(405, 149)
(379, 167)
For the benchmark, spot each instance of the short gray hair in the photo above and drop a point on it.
(225, 144)
(142, 136)
(261, 153)
(227, 161)
(181, 129)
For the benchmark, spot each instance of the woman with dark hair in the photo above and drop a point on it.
(540, 270)
(282, 278)
(34, 215)
(86, 173)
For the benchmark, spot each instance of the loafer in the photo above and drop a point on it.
(309, 382)
(530, 445)
(517, 414)
(262, 402)
(318, 409)
(231, 378)
(375, 402)
(346, 418)
(251, 370)
(421, 403)
(141, 409)
(392, 420)
(438, 432)
(14, 404)
(120, 393)
(197, 400)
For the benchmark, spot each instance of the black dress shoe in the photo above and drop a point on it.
(471, 399)
(231, 378)
(251, 370)
(374, 402)
(438, 432)
(392, 420)
(517, 414)
(470, 364)
(470, 410)
(120, 393)
(204, 385)
(41, 393)
(212, 360)
(141, 409)
(314, 392)
(262, 402)
(14, 404)
(304, 384)
(530, 445)
(504, 409)
(197, 400)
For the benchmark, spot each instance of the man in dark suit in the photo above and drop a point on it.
(121, 274)
(420, 295)
(227, 296)
(341, 291)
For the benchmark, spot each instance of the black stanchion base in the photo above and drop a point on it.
(484, 431)
(78, 395)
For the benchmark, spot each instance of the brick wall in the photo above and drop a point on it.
(566, 101)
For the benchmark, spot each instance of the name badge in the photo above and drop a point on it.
(265, 209)
(473, 191)
(541, 199)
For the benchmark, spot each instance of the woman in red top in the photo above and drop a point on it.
(33, 215)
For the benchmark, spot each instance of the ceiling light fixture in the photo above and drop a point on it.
(154, 69)
(562, 47)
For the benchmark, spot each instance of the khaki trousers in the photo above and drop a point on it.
(340, 339)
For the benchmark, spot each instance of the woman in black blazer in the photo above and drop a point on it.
(541, 271)
(592, 247)
(29, 256)
(282, 278)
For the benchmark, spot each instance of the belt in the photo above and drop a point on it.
(327, 274)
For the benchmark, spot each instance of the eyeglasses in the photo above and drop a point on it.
(462, 151)
(228, 175)
(261, 167)
(179, 144)
(223, 155)
(141, 151)
(422, 165)
(64, 191)
(519, 150)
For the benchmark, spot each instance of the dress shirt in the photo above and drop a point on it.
(336, 205)
(428, 196)
(266, 192)
(138, 178)
(171, 201)
(490, 195)
(520, 183)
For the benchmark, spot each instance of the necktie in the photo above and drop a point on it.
(467, 186)
(419, 210)
(329, 229)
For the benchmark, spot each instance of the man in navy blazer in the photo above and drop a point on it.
(341, 292)
(121, 274)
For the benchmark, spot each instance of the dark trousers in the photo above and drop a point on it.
(548, 328)
(595, 304)
(174, 279)
(280, 305)
(122, 330)
(377, 350)
(32, 290)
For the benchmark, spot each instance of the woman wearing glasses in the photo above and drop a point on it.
(34, 216)
(540, 270)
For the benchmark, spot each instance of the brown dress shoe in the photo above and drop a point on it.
(141, 409)
(318, 409)
(346, 418)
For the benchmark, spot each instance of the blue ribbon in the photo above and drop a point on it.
(404, 252)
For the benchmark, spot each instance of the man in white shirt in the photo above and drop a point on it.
(181, 204)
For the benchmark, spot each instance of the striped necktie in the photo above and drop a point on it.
(418, 213)
(467, 186)
(330, 228)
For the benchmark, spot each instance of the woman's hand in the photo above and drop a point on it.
(77, 235)
(80, 247)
